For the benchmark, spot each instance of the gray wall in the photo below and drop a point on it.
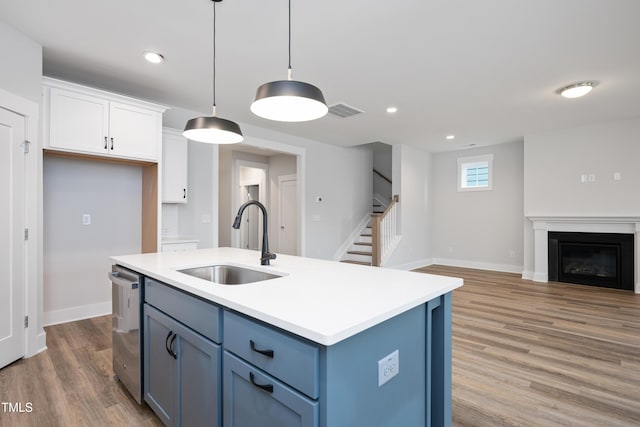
(21, 70)
(556, 160)
(76, 256)
(479, 228)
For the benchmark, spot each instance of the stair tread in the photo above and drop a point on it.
(359, 253)
(362, 243)
(366, 235)
(356, 262)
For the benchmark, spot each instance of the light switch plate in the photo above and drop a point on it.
(86, 219)
(388, 367)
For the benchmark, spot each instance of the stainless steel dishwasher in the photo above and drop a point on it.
(125, 325)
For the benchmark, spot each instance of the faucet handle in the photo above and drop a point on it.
(264, 259)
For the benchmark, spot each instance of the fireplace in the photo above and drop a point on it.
(597, 259)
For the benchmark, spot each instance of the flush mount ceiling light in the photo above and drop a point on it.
(289, 100)
(392, 110)
(153, 57)
(212, 129)
(577, 90)
(450, 137)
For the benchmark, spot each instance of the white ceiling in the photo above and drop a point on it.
(486, 71)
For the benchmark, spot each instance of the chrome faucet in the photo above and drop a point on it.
(266, 255)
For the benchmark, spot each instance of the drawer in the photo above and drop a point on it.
(290, 359)
(201, 316)
(253, 398)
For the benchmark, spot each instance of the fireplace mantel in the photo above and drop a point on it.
(587, 224)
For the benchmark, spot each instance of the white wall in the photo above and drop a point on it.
(555, 161)
(198, 218)
(21, 70)
(382, 162)
(76, 255)
(411, 181)
(481, 229)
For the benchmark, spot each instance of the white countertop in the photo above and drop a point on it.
(323, 301)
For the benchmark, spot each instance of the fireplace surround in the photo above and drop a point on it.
(542, 225)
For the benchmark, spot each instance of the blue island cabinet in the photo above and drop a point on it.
(275, 379)
(208, 365)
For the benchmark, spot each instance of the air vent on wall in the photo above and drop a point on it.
(343, 110)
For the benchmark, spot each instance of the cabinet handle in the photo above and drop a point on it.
(174, 354)
(268, 353)
(105, 142)
(112, 143)
(184, 193)
(166, 342)
(265, 387)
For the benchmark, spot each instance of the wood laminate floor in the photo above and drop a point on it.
(534, 354)
(524, 354)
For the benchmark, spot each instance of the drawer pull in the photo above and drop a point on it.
(265, 387)
(268, 353)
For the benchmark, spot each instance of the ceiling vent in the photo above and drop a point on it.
(343, 110)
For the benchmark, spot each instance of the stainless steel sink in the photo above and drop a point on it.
(228, 274)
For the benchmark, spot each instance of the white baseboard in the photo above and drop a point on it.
(527, 275)
(72, 314)
(411, 265)
(541, 277)
(506, 268)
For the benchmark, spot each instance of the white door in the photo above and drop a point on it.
(289, 216)
(12, 247)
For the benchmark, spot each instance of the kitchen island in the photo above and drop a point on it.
(320, 344)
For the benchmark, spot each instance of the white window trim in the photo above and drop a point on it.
(469, 162)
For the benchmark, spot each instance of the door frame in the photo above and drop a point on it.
(35, 337)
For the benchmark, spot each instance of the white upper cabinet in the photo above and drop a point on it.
(88, 121)
(174, 167)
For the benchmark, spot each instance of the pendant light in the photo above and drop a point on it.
(212, 129)
(289, 100)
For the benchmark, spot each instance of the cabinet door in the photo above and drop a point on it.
(78, 122)
(174, 168)
(160, 372)
(133, 131)
(253, 398)
(199, 379)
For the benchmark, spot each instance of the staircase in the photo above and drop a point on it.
(377, 239)
(360, 251)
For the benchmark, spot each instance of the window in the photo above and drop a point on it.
(474, 173)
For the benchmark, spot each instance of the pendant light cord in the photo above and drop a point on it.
(214, 58)
(289, 70)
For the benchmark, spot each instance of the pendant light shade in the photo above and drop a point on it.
(212, 129)
(289, 100)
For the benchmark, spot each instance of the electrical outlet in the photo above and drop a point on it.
(86, 219)
(617, 176)
(388, 367)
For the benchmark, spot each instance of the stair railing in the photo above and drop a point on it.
(384, 231)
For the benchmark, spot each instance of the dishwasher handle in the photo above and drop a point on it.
(115, 278)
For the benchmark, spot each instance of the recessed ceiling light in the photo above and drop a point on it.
(392, 109)
(450, 137)
(577, 90)
(153, 57)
